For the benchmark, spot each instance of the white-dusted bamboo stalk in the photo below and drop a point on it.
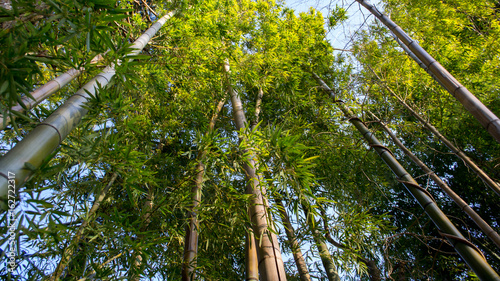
(481, 174)
(469, 253)
(271, 267)
(485, 227)
(487, 118)
(45, 91)
(44, 139)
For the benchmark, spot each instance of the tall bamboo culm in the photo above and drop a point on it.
(191, 238)
(45, 91)
(485, 227)
(271, 267)
(486, 179)
(487, 118)
(294, 244)
(471, 254)
(45, 138)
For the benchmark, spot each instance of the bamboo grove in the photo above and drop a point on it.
(229, 140)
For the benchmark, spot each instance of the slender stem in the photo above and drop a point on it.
(483, 114)
(471, 254)
(485, 227)
(68, 252)
(486, 179)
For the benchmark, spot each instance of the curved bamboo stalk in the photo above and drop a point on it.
(294, 244)
(191, 239)
(44, 139)
(485, 227)
(487, 118)
(324, 253)
(68, 252)
(486, 179)
(472, 256)
(45, 91)
(271, 267)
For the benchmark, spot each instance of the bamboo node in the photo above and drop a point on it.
(417, 187)
(382, 147)
(462, 240)
(54, 127)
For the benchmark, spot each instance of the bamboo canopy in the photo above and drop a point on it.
(487, 118)
(470, 253)
(29, 154)
(271, 267)
(485, 227)
(45, 91)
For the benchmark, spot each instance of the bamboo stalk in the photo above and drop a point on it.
(487, 118)
(294, 244)
(486, 179)
(271, 267)
(373, 270)
(45, 91)
(45, 138)
(191, 238)
(251, 259)
(324, 253)
(471, 254)
(68, 252)
(485, 227)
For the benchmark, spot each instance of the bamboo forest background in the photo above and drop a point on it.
(159, 156)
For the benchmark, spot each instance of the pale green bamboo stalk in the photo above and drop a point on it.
(485, 227)
(481, 174)
(271, 267)
(44, 139)
(45, 91)
(472, 256)
(487, 118)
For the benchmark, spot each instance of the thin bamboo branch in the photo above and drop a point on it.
(485, 227)
(471, 254)
(487, 118)
(44, 139)
(486, 179)
(68, 252)
(271, 267)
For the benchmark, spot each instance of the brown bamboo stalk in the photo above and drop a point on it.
(487, 118)
(470, 253)
(45, 138)
(294, 244)
(68, 252)
(45, 91)
(191, 239)
(271, 267)
(486, 179)
(485, 227)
